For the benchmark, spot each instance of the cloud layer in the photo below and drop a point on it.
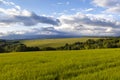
(29, 19)
(84, 23)
(88, 24)
(110, 5)
(15, 15)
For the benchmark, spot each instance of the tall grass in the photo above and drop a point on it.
(103, 64)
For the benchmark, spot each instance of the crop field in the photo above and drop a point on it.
(53, 42)
(99, 64)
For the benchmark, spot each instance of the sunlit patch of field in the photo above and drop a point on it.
(53, 42)
(99, 64)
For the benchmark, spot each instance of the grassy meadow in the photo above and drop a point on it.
(54, 42)
(99, 64)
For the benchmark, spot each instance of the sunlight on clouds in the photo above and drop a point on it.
(113, 6)
(88, 24)
(98, 19)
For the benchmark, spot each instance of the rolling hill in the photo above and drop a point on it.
(53, 42)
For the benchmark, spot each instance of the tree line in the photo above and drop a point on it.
(93, 44)
(16, 46)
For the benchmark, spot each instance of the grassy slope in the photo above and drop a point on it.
(103, 64)
(53, 42)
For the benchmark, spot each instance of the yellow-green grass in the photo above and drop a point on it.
(99, 64)
(53, 42)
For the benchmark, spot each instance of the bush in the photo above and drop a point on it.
(48, 48)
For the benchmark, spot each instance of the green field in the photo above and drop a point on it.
(53, 42)
(99, 64)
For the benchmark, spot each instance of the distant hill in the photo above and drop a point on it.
(54, 42)
(29, 37)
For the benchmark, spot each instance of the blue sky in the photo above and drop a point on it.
(49, 7)
(60, 17)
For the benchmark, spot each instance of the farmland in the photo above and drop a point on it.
(98, 64)
(54, 42)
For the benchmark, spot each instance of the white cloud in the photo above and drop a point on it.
(114, 10)
(16, 15)
(109, 30)
(78, 25)
(112, 6)
(10, 12)
(15, 10)
(6, 2)
(10, 4)
(48, 31)
(89, 24)
(89, 9)
(30, 20)
(61, 3)
(73, 9)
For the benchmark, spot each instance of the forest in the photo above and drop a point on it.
(17, 46)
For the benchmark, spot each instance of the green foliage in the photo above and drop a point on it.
(15, 46)
(20, 48)
(99, 64)
(48, 49)
(33, 49)
(1, 50)
(93, 44)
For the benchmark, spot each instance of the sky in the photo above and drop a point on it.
(59, 17)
